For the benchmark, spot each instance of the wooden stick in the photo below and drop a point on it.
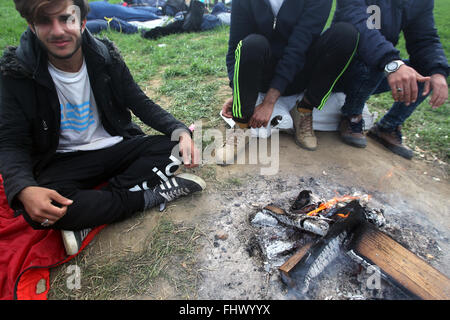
(292, 261)
(402, 267)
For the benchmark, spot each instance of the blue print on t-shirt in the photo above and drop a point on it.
(77, 117)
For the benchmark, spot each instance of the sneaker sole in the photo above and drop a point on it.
(70, 242)
(354, 144)
(192, 177)
(303, 146)
(393, 149)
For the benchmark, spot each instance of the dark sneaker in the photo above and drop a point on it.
(351, 130)
(391, 140)
(73, 239)
(181, 185)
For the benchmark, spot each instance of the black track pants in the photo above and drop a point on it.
(123, 166)
(327, 60)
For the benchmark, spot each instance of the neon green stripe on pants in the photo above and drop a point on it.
(325, 99)
(237, 110)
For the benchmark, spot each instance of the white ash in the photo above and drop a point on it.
(231, 271)
(328, 254)
(263, 219)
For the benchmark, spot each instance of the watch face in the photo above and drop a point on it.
(392, 66)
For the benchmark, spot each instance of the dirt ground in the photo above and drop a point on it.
(414, 195)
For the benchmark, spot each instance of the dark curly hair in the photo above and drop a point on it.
(31, 10)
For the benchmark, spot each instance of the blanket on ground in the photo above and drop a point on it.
(26, 255)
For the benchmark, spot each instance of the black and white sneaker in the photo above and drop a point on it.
(73, 239)
(181, 185)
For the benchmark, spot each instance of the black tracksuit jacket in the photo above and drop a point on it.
(290, 33)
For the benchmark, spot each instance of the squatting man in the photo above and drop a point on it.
(66, 129)
(377, 67)
(278, 47)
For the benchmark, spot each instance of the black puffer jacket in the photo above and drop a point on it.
(30, 113)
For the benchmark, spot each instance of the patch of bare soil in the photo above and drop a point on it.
(230, 264)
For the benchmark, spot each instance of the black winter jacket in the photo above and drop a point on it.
(290, 33)
(413, 17)
(30, 113)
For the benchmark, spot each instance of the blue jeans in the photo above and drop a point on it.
(361, 81)
(100, 9)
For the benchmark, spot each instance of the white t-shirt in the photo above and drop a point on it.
(81, 128)
(276, 5)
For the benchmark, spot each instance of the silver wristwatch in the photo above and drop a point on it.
(393, 66)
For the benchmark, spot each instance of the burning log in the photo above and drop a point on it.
(303, 199)
(324, 250)
(316, 225)
(368, 246)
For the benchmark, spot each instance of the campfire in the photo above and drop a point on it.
(303, 239)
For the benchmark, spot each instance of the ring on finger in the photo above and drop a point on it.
(45, 223)
(399, 89)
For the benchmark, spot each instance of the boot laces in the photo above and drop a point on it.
(174, 194)
(306, 124)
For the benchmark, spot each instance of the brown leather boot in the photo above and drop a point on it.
(351, 131)
(391, 140)
(303, 127)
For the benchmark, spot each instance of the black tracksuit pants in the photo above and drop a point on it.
(123, 166)
(326, 61)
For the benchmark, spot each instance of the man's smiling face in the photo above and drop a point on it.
(59, 29)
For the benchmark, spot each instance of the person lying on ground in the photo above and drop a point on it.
(65, 128)
(277, 47)
(378, 68)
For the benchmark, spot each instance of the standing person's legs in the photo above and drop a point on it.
(327, 61)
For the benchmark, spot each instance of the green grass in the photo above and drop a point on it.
(185, 72)
(168, 253)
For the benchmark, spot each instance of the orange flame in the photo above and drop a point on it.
(343, 215)
(332, 203)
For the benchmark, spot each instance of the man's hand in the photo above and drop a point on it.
(227, 108)
(261, 116)
(403, 83)
(263, 112)
(37, 202)
(190, 154)
(439, 86)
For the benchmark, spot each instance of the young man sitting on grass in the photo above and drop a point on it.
(65, 128)
(378, 67)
